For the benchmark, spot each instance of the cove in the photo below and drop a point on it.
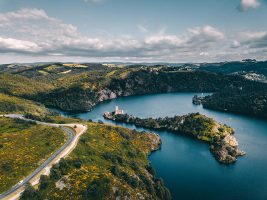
(185, 164)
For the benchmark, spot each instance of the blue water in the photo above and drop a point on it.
(185, 164)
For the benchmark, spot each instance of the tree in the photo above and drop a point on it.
(98, 189)
(44, 182)
(77, 163)
(63, 166)
(6, 167)
(55, 172)
(30, 193)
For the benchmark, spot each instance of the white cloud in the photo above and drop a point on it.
(17, 45)
(207, 32)
(31, 32)
(248, 4)
(93, 1)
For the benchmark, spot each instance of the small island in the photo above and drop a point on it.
(223, 145)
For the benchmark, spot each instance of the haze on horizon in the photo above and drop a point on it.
(132, 31)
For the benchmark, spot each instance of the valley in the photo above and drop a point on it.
(83, 88)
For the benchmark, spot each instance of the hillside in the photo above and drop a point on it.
(10, 104)
(23, 147)
(109, 162)
(250, 69)
(87, 85)
(20, 86)
(249, 102)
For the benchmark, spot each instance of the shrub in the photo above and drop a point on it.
(44, 182)
(115, 170)
(6, 167)
(100, 122)
(55, 173)
(112, 157)
(134, 166)
(63, 166)
(30, 193)
(150, 169)
(98, 189)
(77, 163)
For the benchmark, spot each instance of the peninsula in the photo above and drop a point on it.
(223, 145)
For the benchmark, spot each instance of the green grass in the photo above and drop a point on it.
(23, 147)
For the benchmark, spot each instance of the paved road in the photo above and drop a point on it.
(72, 138)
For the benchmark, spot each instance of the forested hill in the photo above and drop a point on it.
(259, 67)
(250, 69)
(79, 87)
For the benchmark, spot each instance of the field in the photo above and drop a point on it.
(23, 147)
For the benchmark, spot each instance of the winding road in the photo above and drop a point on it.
(74, 132)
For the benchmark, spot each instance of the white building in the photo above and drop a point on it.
(118, 111)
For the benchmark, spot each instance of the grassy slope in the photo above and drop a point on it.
(23, 147)
(99, 150)
(21, 86)
(11, 104)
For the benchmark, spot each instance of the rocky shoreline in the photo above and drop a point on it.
(223, 145)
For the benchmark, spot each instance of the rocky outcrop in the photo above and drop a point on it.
(226, 153)
(106, 94)
(155, 141)
(223, 144)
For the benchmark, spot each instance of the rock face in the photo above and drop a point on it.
(226, 150)
(223, 144)
(225, 153)
(155, 141)
(106, 94)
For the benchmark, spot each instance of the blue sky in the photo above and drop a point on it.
(127, 30)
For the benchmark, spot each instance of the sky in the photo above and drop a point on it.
(175, 31)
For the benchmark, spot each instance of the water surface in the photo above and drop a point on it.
(185, 164)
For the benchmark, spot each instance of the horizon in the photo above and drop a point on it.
(130, 63)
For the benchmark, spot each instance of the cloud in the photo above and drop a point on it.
(93, 1)
(31, 32)
(14, 45)
(255, 40)
(248, 4)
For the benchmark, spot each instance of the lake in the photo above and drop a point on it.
(186, 164)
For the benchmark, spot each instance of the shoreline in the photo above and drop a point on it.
(223, 145)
